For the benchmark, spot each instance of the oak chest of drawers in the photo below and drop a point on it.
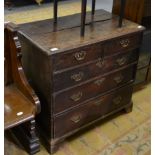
(79, 80)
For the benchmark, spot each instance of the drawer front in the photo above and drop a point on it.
(122, 44)
(91, 52)
(76, 95)
(92, 110)
(75, 76)
(77, 56)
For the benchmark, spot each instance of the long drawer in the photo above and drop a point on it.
(94, 51)
(65, 79)
(77, 95)
(82, 115)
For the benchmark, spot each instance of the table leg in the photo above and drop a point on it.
(121, 12)
(83, 16)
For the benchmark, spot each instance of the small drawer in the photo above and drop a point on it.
(91, 111)
(75, 76)
(95, 87)
(122, 44)
(77, 56)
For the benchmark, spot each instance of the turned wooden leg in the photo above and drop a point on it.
(129, 108)
(26, 134)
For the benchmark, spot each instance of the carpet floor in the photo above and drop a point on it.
(121, 134)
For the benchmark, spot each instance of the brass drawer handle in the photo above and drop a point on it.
(124, 43)
(100, 63)
(99, 81)
(121, 61)
(118, 79)
(80, 55)
(76, 97)
(117, 100)
(99, 102)
(76, 118)
(77, 77)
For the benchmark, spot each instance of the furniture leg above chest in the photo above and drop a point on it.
(80, 80)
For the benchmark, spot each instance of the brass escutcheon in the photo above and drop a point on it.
(117, 100)
(76, 97)
(124, 43)
(99, 102)
(77, 77)
(76, 118)
(80, 55)
(100, 63)
(99, 81)
(118, 79)
(121, 61)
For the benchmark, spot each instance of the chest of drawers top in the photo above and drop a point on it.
(67, 35)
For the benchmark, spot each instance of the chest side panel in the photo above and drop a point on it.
(38, 69)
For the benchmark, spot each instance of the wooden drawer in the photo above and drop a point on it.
(91, 52)
(77, 75)
(95, 87)
(77, 56)
(82, 115)
(122, 44)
